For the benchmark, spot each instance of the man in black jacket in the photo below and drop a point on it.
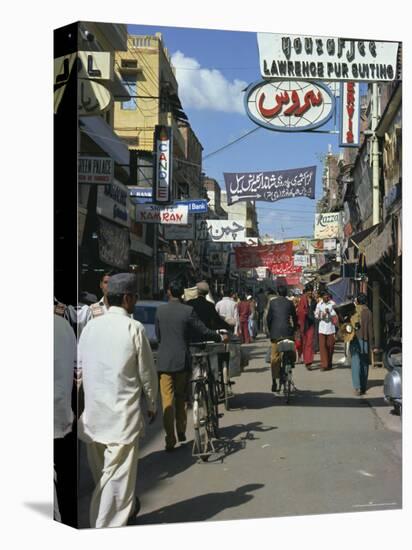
(176, 326)
(205, 310)
(282, 323)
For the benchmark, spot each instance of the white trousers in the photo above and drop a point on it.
(114, 470)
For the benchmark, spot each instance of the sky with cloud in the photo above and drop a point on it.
(213, 68)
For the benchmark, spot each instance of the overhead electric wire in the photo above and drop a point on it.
(231, 143)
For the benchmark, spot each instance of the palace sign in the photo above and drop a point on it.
(294, 57)
(289, 106)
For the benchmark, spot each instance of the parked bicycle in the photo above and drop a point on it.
(286, 348)
(205, 398)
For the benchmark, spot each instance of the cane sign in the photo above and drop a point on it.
(162, 181)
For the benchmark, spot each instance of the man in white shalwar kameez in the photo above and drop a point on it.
(117, 369)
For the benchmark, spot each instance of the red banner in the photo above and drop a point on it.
(277, 257)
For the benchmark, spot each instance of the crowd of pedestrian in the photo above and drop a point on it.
(116, 371)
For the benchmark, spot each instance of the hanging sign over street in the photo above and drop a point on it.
(270, 186)
(328, 225)
(324, 58)
(288, 106)
(221, 231)
(163, 177)
(349, 115)
(153, 213)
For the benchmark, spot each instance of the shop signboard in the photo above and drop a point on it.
(350, 114)
(154, 213)
(291, 57)
(221, 231)
(329, 244)
(163, 173)
(287, 106)
(114, 244)
(328, 225)
(196, 206)
(92, 98)
(181, 232)
(301, 260)
(99, 170)
(113, 203)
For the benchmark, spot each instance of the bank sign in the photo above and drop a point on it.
(324, 58)
(163, 176)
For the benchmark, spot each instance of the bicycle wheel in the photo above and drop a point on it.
(288, 385)
(200, 421)
(213, 412)
(226, 385)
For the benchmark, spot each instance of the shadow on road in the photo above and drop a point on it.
(200, 508)
(248, 430)
(160, 465)
(304, 398)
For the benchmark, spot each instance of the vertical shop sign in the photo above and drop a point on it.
(350, 115)
(162, 176)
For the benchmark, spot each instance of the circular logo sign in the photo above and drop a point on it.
(289, 106)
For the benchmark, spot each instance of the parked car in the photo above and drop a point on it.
(145, 312)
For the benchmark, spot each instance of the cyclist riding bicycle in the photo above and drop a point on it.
(282, 323)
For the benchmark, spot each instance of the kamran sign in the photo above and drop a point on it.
(324, 58)
(288, 106)
(270, 186)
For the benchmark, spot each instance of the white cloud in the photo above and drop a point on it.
(206, 89)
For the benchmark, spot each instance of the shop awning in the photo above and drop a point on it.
(102, 134)
(340, 290)
(375, 248)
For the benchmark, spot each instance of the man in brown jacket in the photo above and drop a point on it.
(361, 344)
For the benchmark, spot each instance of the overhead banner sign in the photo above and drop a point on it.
(350, 115)
(328, 225)
(248, 257)
(163, 176)
(289, 106)
(270, 186)
(153, 213)
(295, 57)
(98, 170)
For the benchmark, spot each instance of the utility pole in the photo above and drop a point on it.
(375, 207)
(375, 156)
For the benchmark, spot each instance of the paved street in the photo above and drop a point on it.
(326, 452)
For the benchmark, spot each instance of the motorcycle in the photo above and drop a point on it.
(392, 360)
